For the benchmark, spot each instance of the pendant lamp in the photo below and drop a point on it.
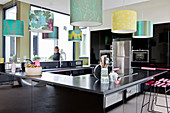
(144, 29)
(13, 28)
(41, 21)
(86, 13)
(75, 35)
(53, 35)
(124, 21)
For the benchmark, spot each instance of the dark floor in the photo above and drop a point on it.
(44, 100)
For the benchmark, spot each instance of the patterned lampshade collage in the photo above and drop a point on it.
(75, 35)
(13, 28)
(86, 13)
(144, 29)
(41, 21)
(124, 21)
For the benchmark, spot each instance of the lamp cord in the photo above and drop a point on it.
(142, 14)
(123, 4)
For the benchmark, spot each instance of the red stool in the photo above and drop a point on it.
(162, 83)
(147, 103)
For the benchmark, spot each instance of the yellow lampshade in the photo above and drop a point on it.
(124, 21)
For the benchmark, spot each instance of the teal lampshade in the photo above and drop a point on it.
(13, 28)
(41, 21)
(144, 29)
(75, 35)
(53, 35)
(86, 13)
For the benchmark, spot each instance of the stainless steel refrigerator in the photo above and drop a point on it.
(122, 57)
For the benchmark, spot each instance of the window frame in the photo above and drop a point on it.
(4, 39)
(43, 8)
(82, 57)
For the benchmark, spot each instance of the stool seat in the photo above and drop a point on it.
(149, 83)
(161, 83)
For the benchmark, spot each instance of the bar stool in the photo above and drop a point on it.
(148, 84)
(162, 83)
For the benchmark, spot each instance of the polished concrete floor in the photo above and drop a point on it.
(43, 100)
(134, 105)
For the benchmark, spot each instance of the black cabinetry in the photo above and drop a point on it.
(101, 40)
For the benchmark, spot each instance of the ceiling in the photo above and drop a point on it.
(4, 1)
(63, 5)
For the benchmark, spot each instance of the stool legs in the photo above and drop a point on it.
(153, 98)
(143, 102)
(166, 99)
(147, 103)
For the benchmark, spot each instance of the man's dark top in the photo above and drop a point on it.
(56, 56)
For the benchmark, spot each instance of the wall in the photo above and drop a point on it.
(23, 43)
(154, 10)
(85, 60)
(1, 37)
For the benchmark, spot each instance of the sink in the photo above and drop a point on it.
(73, 72)
(62, 73)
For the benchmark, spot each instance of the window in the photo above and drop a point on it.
(44, 48)
(10, 42)
(84, 44)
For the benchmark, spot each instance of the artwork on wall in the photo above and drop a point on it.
(108, 40)
(41, 21)
(75, 35)
(53, 35)
(13, 28)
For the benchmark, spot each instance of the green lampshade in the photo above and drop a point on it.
(144, 29)
(41, 21)
(53, 35)
(75, 35)
(13, 28)
(86, 13)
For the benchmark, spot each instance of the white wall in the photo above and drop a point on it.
(157, 11)
(46, 46)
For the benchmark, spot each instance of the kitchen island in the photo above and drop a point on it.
(88, 93)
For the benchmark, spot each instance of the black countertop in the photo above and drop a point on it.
(90, 84)
(65, 69)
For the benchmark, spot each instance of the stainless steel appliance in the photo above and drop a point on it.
(121, 52)
(140, 56)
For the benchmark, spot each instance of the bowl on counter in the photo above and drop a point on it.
(33, 71)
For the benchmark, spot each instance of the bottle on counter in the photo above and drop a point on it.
(104, 76)
(13, 67)
(112, 76)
